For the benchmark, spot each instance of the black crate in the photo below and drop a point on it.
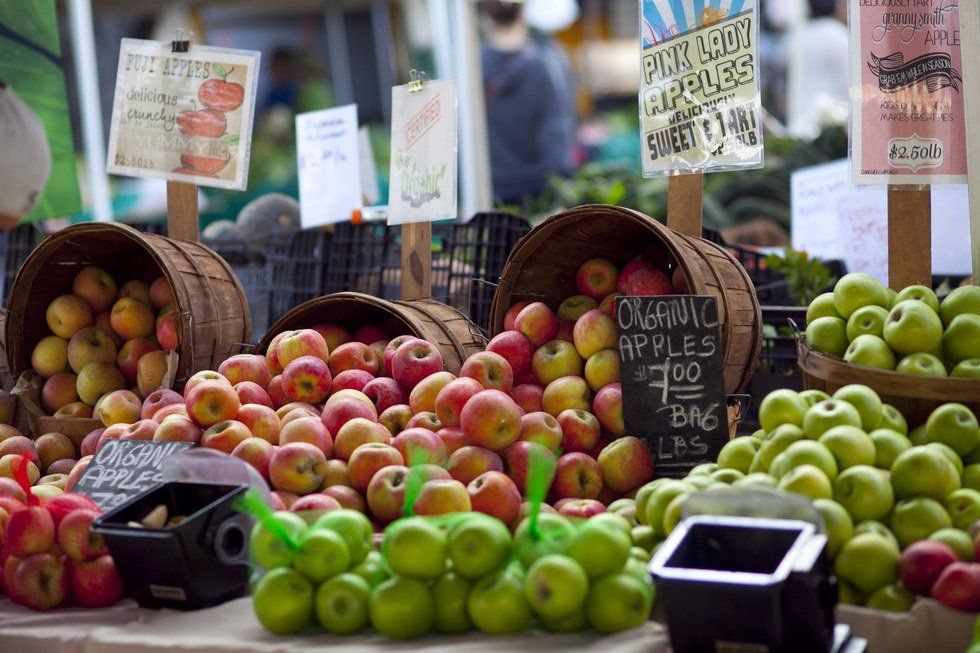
(776, 366)
(15, 245)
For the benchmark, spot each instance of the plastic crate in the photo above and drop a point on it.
(776, 366)
(15, 245)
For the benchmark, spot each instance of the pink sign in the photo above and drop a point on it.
(907, 116)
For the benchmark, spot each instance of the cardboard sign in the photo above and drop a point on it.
(907, 118)
(670, 360)
(121, 469)
(183, 116)
(328, 161)
(423, 153)
(833, 219)
(700, 107)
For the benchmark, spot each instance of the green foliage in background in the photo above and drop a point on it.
(807, 277)
(31, 64)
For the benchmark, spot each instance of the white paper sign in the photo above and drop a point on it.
(369, 169)
(833, 219)
(328, 162)
(423, 153)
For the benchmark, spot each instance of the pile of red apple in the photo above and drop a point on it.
(932, 568)
(49, 553)
(105, 338)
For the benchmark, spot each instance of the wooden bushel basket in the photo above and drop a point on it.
(914, 396)
(543, 264)
(214, 322)
(455, 336)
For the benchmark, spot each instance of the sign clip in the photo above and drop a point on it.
(182, 40)
(416, 78)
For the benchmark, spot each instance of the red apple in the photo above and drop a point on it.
(384, 392)
(608, 409)
(578, 477)
(414, 360)
(523, 456)
(41, 580)
(61, 504)
(442, 497)
(452, 438)
(515, 348)
(427, 421)
(369, 333)
(141, 430)
(335, 473)
(334, 335)
(252, 393)
(171, 409)
(297, 467)
(386, 493)
(580, 430)
(347, 497)
(466, 463)
(76, 538)
(395, 418)
(261, 421)
(177, 428)
(354, 356)
(225, 436)
(626, 463)
(211, 401)
(528, 396)
(310, 430)
(538, 323)
(28, 531)
(581, 508)
(246, 367)
(921, 564)
(511, 316)
(257, 453)
(157, 400)
(958, 586)
(96, 583)
(368, 459)
(300, 343)
(390, 349)
(418, 445)
(353, 379)
(338, 413)
(11, 488)
(356, 433)
(492, 420)
(491, 370)
(494, 494)
(608, 304)
(319, 502)
(451, 399)
(308, 379)
(542, 428)
(276, 393)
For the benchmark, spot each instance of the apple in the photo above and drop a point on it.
(491, 419)
(200, 377)
(333, 334)
(593, 332)
(344, 409)
(867, 320)
(246, 367)
(537, 323)
(50, 356)
(511, 315)
(422, 398)
(414, 360)
(966, 369)
(158, 400)
(494, 493)
(52, 447)
(283, 601)
(956, 539)
(608, 304)
(958, 586)
(849, 445)
(913, 327)
(119, 407)
(602, 369)
(341, 604)
(491, 370)
(497, 604)
(354, 527)
(28, 531)
(132, 318)
(478, 546)
(865, 492)
(442, 497)
(143, 430)
(135, 289)
(866, 401)
(608, 409)
(90, 345)
(41, 580)
(390, 349)
(827, 414)
(22, 446)
(738, 454)
(384, 392)
(572, 392)
(923, 471)
(961, 341)
(310, 430)
(358, 432)
(451, 398)
(396, 418)
(542, 428)
(297, 344)
(596, 278)
(467, 463)
(556, 586)
(67, 314)
(954, 425)
(257, 453)
(261, 421)
(59, 390)
(76, 538)
(96, 583)
(963, 506)
(915, 519)
(151, 371)
(556, 359)
(837, 522)
(335, 473)
(416, 547)
(858, 289)
(870, 351)
(619, 602)
(401, 608)
(96, 380)
(921, 564)
(828, 335)
(96, 287)
(805, 452)
(297, 467)
(353, 380)
(210, 402)
(318, 503)
(308, 379)
(369, 458)
(867, 561)
(580, 430)
(353, 356)
(225, 435)
(888, 444)
(420, 446)
(527, 396)
(575, 307)
(962, 300)
(921, 364)
(347, 497)
(452, 438)
(77, 471)
(523, 458)
(386, 493)
(807, 480)
(578, 476)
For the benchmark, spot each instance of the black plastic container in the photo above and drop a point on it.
(200, 562)
(746, 584)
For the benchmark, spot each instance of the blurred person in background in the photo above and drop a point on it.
(25, 159)
(819, 78)
(530, 113)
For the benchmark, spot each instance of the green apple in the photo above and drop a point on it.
(866, 320)
(661, 497)
(923, 471)
(726, 476)
(781, 407)
(618, 602)
(971, 476)
(865, 492)
(913, 327)
(497, 604)
(600, 550)
(850, 446)
(556, 530)
(892, 419)
(951, 456)
(891, 598)
(401, 608)
(888, 444)
(916, 519)
(478, 545)
(870, 351)
(354, 527)
(867, 561)
(415, 547)
(828, 335)
(738, 453)
(814, 397)
(638, 569)
(966, 369)
(780, 439)
(821, 306)
(449, 596)
(837, 524)
(871, 526)
(556, 586)
(759, 434)
(322, 554)
(341, 604)
(644, 493)
(922, 294)
(640, 554)
(266, 546)
(283, 601)
(372, 569)
(963, 507)
(756, 479)
(963, 300)
(847, 594)
(674, 513)
(867, 402)
(962, 339)
(828, 414)
(808, 481)
(701, 470)
(921, 364)
(954, 425)
(958, 540)
(573, 623)
(611, 520)
(918, 436)
(625, 511)
(805, 452)
(858, 289)
(644, 537)
(701, 483)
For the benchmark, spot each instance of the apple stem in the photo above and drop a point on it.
(227, 74)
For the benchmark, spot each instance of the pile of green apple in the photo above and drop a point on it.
(448, 574)
(910, 331)
(878, 486)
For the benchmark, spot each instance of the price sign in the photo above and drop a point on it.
(672, 375)
(121, 469)
(328, 160)
(183, 116)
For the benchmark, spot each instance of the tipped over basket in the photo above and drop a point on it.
(445, 327)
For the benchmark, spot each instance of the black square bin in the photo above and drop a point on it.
(746, 584)
(200, 562)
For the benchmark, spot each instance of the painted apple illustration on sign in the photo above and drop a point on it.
(206, 123)
(207, 164)
(220, 94)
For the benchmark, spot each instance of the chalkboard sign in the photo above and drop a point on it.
(121, 469)
(672, 375)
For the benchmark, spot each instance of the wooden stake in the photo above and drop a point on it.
(416, 260)
(684, 203)
(183, 222)
(909, 236)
